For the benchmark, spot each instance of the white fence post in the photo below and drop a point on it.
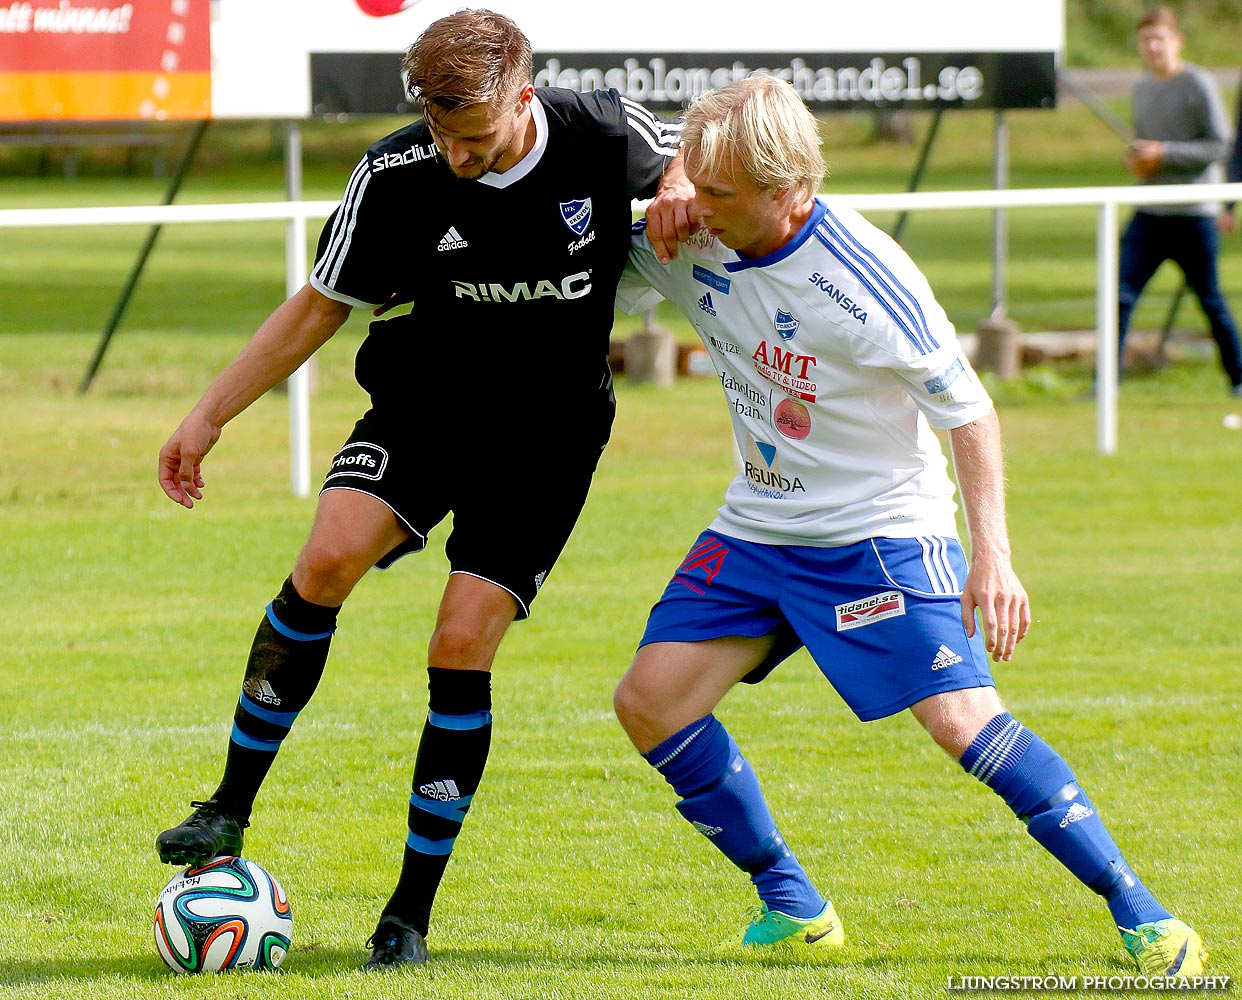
(295, 276)
(1000, 222)
(1106, 329)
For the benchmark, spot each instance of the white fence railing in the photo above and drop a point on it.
(1106, 199)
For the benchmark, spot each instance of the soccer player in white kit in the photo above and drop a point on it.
(838, 531)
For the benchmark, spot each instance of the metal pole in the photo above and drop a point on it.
(1118, 126)
(122, 302)
(1107, 282)
(920, 167)
(1000, 229)
(295, 277)
(1166, 331)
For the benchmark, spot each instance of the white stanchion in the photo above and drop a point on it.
(295, 276)
(144, 215)
(1106, 352)
(299, 431)
(1170, 194)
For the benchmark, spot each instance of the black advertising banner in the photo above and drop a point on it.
(370, 82)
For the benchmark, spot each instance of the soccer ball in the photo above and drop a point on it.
(228, 914)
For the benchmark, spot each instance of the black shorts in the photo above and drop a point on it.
(515, 486)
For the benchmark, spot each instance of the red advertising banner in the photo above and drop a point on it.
(93, 60)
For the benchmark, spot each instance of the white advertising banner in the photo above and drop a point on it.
(266, 53)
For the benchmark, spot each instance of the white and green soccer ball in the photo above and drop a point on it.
(227, 914)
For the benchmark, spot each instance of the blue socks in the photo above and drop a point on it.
(721, 798)
(1041, 789)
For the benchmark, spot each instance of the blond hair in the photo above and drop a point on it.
(761, 126)
(468, 58)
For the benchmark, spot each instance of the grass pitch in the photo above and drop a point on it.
(128, 621)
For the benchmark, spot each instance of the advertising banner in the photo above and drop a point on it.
(368, 82)
(95, 60)
(182, 59)
(329, 57)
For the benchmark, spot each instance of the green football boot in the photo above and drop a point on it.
(1165, 948)
(771, 927)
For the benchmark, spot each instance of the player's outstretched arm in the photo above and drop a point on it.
(991, 586)
(288, 337)
(668, 215)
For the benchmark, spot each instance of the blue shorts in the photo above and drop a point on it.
(882, 618)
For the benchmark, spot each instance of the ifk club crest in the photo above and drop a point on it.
(785, 323)
(576, 215)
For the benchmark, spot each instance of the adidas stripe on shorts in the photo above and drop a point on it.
(881, 618)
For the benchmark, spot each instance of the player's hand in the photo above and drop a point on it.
(181, 459)
(670, 218)
(1226, 222)
(1004, 608)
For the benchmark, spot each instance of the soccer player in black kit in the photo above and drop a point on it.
(503, 217)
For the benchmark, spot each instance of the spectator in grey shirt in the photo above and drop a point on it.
(1181, 137)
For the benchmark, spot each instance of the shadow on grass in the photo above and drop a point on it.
(311, 960)
(90, 969)
(314, 961)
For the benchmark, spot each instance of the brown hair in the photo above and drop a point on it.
(471, 57)
(1159, 17)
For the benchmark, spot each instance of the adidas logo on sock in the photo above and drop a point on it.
(705, 303)
(1074, 813)
(707, 831)
(945, 657)
(262, 692)
(451, 240)
(441, 791)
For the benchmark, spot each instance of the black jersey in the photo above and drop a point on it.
(512, 276)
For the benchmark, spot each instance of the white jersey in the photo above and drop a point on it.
(836, 362)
